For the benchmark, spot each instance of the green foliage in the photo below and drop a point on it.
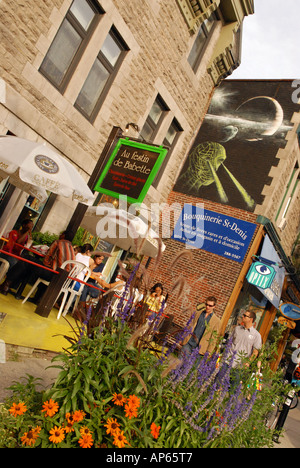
(43, 238)
(78, 238)
(128, 398)
(46, 238)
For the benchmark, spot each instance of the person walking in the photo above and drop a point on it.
(246, 343)
(205, 329)
(246, 339)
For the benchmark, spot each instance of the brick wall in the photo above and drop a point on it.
(205, 273)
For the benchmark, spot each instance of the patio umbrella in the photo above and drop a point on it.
(35, 168)
(120, 228)
(38, 165)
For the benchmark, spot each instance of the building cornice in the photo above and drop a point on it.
(197, 11)
(226, 56)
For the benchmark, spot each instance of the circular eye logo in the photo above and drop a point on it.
(46, 164)
(263, 270)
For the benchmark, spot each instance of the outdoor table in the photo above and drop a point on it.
(35, 253)
(22, 285)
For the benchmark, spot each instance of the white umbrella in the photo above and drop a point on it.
(34, 168)
(122, 229)
(40, 166)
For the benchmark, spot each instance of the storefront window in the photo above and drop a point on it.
(32, 210)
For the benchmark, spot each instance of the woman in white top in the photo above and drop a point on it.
(84, 256)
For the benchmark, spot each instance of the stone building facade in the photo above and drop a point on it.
(71, 70)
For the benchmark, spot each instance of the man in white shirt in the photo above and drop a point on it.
(246, 343)
(246, 339)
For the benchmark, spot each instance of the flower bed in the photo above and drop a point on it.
(113, 391)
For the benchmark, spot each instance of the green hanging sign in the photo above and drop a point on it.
(261, 275)
(131, 170)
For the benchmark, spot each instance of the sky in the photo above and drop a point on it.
(271, 41)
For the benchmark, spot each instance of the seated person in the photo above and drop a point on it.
(96, 267)
(97, 280)
(16, 240)
(155, 299)
(59, 251)
(83, 256)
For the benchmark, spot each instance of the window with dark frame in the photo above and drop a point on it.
(202, 38)
(170, 140)
(70, 42)
(154, 120)
(101, 75)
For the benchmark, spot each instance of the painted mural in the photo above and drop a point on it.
(246, 124)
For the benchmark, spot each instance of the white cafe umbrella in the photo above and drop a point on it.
(39, 165)
(120, 228)
(35, 168)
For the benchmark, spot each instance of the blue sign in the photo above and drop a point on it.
(290, 310)
(213, 232)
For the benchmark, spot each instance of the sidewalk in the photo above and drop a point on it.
(21, 326)
(15, 371)
(291, 436)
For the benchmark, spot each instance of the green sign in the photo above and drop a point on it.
(261, 275)
(131, 170)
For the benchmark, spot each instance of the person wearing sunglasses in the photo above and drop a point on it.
(246, 339)
(204, 330)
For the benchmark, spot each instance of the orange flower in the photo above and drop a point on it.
(18, 409)
(29, 438)
(86, 441)
(50, 408)
(133, 400)
(78, 415)
(155, 430)
(57, 434)
(118, 399)
(131, 411)
(112, 425)
(84, 430)
(36, 431)
(119, 439)
(69, 427)
(70, 418)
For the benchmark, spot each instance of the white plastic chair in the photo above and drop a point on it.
(74, 293)
(67, 287)
(3, 268)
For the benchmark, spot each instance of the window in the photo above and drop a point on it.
(203, 35)
(154, 119)
(70, 42)
(101, 75)
(292, 186)
(172, 134)
(170, 140)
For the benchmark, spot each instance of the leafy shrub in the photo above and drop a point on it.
(116, 389)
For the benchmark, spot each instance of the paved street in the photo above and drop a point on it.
(291, 437)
